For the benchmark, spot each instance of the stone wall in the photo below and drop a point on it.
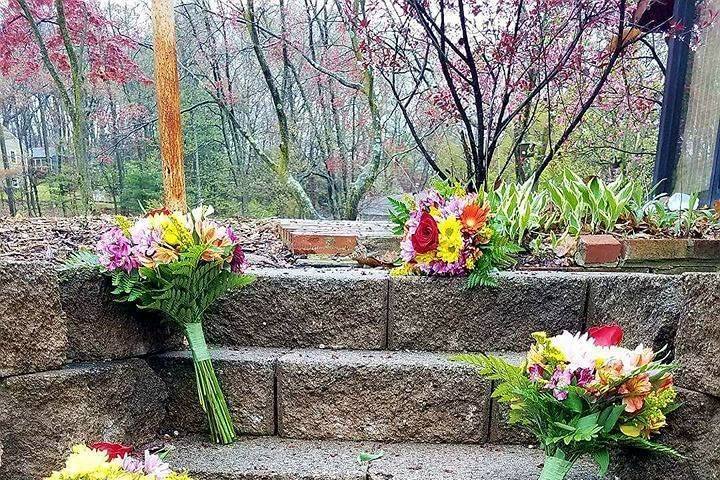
(74, 366)
(68, 369)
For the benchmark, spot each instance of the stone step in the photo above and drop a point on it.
(272, 458)
(368, 309)
(339, 394)
(73, 317)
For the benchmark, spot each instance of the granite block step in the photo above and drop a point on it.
(336, 394)
(273, 458)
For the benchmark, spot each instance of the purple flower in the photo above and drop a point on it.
(536, 372)
(584, 376)
(427, 199)
(115, 251)
(407, 251)
(155, 466)
(231, 235)
(558, 381)
(238, 263)
(145, 238)
(131, 464)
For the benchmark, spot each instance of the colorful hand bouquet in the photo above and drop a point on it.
(110, 461)
(177, 264)
(582, 394)
(447, 231)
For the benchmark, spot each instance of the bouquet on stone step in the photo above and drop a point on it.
(448, 231)
(583, 395)
(177, 264)
(112, 461)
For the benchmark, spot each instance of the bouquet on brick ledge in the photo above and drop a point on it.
(112, 461)
(582, 394)
(448, 231)
(177, 264)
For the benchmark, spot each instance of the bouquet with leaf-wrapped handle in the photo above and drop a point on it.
(178, 265)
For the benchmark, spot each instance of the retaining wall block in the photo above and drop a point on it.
(646, 306)
(247, 378)
(393, 396)
(334, 308)
(33, 328)
(43, 414)
(440, 314)
(100, 328)
(697, 344)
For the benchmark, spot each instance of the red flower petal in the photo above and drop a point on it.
(113, 450)
(606, 335)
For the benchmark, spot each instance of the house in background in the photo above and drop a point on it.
(12, 147)
(39, 159)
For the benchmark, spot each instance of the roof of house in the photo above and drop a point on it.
(39, 152)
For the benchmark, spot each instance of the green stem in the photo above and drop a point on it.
(210, 395)
(555, 468)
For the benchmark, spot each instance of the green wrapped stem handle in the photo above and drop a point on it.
(196, 339)
(555, 469)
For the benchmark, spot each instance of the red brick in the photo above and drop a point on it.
(322, 244)
(598, 250)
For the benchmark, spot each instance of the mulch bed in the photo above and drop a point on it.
(53, 239)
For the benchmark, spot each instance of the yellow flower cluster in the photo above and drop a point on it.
(85, 463)
(450, 239)
(542, 352)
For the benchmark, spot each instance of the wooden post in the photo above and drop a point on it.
(167, 85)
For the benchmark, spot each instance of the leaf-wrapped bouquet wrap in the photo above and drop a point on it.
(583, 394)
(177, 264)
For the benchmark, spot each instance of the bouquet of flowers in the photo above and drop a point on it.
(581, 394)
(177, 264)
(112, 461)
(447, 231)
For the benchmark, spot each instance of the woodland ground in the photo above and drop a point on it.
(53, 239)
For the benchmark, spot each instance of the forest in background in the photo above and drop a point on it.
(308, 108)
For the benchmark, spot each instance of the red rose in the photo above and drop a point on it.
(425, 238)
(113, 450)
(606, 335)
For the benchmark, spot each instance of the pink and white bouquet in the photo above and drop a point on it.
(583, 394)
(177, 264)
(111, 461)
(448, 231)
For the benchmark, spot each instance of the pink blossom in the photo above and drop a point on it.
(115, 251)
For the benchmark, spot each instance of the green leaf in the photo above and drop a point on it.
(81, 260)
(602, 457)
(365, 457)
(612, 417)
(573, 402)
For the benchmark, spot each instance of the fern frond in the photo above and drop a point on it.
(644, 444)
(81, 260)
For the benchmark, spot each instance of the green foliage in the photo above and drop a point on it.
(590, 206)
(399, 214)
(518, 209)
(81, 260)
(498, 254)
(182, 290)
(580, 425)
(570, 205)
(142, 188)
